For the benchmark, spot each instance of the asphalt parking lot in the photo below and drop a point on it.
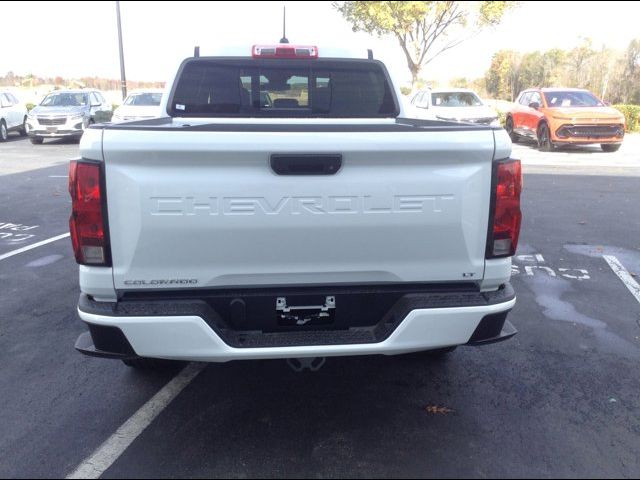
(559, 400)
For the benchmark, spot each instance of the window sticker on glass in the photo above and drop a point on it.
(179, 106)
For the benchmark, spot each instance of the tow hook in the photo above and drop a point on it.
(313, 364)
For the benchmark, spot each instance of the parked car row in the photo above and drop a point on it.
(550, 116)
(67, 113)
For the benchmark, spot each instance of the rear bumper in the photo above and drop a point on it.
(190, 337)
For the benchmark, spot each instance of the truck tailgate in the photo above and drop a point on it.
(191, 209)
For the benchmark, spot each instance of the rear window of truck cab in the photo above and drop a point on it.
(246, 87)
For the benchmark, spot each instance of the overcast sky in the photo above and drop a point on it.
(75, 39)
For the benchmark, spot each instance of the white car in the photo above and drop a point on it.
(139, 105)
(13, 115)
(285, 207)
(453, 104)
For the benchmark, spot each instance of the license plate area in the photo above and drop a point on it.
(298, 314)
(52, 129)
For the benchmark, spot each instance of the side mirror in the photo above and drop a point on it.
(96, 105)
(534, 105)
(607, 104)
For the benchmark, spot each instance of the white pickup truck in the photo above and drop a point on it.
(283, 207)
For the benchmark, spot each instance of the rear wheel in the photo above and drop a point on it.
(610, 147)
(36, 140)
(508, 126)
(4, 133)
(143, 363)
(23, 130)
(544, 138)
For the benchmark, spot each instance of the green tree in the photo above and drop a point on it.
(460, 82)
(578, 61)
(502, 81)
(480, 86)
(630, 91)
(424, 30)
(612, 75)
(542, 69)
(601, 69)
(554, 67)
(531, 71)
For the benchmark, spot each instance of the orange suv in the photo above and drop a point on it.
(565, 116)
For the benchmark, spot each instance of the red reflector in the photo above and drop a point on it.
(86, 224)
(506, 215)
(284, 51)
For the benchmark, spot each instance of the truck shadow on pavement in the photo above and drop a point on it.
(485, 411)
(355, 416)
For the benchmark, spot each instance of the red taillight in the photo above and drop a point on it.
(503, 235)
(284, 50)
(87, 222)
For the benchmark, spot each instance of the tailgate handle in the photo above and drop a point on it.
(306, 164)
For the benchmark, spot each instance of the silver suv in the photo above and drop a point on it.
(66, 113)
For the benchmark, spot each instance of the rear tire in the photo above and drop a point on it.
(508, 126)
(4, 133)
(37, 140)
(148, 364)
(544, 139)
(610, 147)
(23, 130)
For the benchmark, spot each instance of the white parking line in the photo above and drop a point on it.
(32, 246)
(110, 451)
(58, 176)
(624, 275)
